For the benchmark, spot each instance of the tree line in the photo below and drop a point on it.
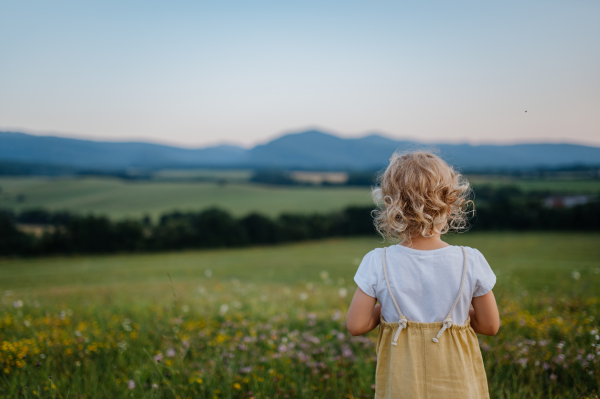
(506, 208)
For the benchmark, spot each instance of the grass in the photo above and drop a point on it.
(120, 198)
(556, 185)
(268, 322)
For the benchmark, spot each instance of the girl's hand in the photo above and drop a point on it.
(363, 315)
(484, 315)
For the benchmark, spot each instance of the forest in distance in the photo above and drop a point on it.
(41, 232)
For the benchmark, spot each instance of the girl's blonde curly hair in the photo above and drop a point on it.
(420, 194)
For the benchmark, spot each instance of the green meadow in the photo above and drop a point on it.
(268, 322)
(121, 198)
(176, 190)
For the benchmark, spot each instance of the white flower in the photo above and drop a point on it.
(342, 292)
(576, 275)
(324, 275)
(223, 309)
(303, 296)
(18, 304)
(208, 273)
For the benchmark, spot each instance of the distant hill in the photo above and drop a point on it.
(87, 154)
(306, 150)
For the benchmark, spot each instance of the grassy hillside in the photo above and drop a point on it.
(269, 322)
(121, 198)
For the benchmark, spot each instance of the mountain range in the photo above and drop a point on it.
(311, 149)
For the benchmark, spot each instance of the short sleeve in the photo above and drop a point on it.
(365, 276)
(485, 279)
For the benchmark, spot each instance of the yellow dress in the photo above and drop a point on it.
(438, 360)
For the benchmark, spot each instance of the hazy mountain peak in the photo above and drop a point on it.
(310, 149)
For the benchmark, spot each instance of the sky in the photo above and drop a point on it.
(197, 73)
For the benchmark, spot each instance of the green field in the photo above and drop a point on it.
(122, 198)
(268, 322)
(555, 185)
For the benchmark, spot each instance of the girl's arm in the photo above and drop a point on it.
(484, 315)
(363, 315)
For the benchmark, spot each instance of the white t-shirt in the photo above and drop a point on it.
(425, 283)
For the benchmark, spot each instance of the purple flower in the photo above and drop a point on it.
(131, 384)
(171, 352)
(158, 358)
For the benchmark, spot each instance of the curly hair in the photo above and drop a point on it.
(420, 194)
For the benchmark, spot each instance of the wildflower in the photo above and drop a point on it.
(158, 358)
(552, 376)
(223, 309)
(237, 386)
(18, 304)
(27, 323)
(576, 275)
(523, 362)
(155, 386)
(324, 275)
(303, 296)
(342, 292)
(171, 352)
(208, 273)
(245, 370)
(131, 384)
(346, 351)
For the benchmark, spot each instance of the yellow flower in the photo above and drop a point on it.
(237, 386)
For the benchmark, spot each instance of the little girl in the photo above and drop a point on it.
(427, 345)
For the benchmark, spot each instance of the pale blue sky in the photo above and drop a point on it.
(195, 73)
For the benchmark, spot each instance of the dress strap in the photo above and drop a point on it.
(447, 323)
(402, 322)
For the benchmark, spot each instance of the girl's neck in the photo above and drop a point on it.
(424, 243)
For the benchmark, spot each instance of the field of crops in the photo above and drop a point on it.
(269, 322)
(122, 198)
